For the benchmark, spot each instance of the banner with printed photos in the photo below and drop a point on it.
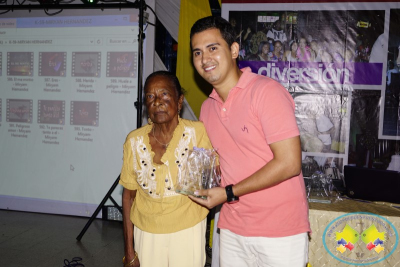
(322, 53)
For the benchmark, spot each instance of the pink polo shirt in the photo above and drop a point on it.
(258, 111)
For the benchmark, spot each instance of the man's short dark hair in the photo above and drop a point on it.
(214, 22)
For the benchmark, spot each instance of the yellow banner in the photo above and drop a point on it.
(197, 89)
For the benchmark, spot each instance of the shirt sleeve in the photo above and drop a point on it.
(128, 175)
(276, 111)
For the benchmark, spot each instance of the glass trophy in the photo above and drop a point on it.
(200, 171)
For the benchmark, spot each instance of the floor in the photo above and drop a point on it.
(34, 239)
(43, 240)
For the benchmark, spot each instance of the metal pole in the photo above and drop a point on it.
(141, 36)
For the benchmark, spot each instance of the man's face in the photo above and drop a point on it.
(277, 25)
(213, 59)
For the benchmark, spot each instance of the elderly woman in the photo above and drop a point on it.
(168, 228)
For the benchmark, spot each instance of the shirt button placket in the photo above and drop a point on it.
(223, 112)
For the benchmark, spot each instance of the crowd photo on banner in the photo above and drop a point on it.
(308, 36)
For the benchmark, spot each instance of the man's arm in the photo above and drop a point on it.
(285, 164)
(247, 33)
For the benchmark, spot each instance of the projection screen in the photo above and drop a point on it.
(68, 87)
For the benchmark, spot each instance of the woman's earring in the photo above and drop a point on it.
(149, 121)
(179, 112)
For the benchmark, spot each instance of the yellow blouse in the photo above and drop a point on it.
(157, 208)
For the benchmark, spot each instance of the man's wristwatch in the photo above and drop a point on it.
(231, 198)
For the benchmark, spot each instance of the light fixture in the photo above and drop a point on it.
(90, 2)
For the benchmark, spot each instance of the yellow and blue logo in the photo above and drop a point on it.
(360, 238)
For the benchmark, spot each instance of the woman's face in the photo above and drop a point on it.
(277, 47)
(302, 43)
(314, 46)
(162, 100)
(265, 49)
(294, 47)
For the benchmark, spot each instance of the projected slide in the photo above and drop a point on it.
(52, 63)
(121, 64)
(68, 87)
(19, 110)
(20, 63)
(51, 111)
(84, 113)
(86, 64)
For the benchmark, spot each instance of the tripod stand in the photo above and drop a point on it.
(106, 197)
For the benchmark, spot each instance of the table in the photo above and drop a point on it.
(326, 217)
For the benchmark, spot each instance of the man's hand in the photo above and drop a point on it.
(215, 196)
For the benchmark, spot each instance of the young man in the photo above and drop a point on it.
(251, 124)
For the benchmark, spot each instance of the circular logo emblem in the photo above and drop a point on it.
(360, 238)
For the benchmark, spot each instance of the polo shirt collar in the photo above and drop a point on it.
(241, 84)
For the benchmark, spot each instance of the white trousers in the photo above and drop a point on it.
(185, 248)
(242, 251)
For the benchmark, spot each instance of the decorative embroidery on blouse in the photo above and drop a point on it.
(147, 172)
(182, 150)
(169, 189)
(146, 177)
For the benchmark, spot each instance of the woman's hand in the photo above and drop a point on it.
(128, 260)
(215, 196)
